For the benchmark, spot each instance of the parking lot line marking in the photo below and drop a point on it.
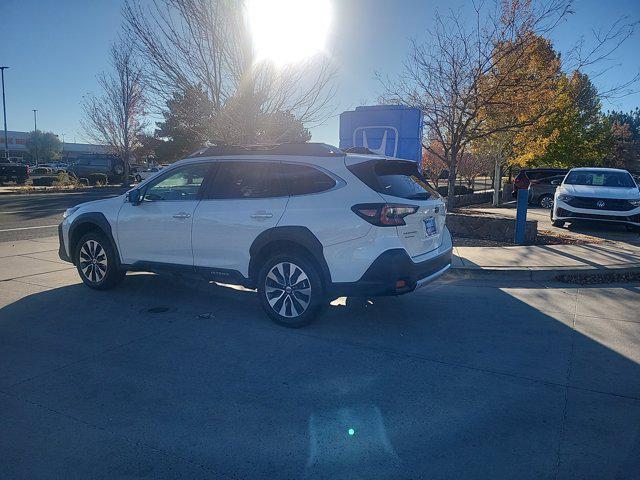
(27, 228)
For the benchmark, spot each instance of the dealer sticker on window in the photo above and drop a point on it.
(430, 226)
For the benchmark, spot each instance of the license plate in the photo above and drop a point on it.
(430, 226)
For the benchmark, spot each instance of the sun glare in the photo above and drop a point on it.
(287, 31)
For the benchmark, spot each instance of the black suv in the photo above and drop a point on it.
(523, 179)
(110, 165)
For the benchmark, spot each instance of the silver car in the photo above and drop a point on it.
(541, 191)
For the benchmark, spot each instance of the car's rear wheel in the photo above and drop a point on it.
(96, 262)
(290, 290)
(546, 201)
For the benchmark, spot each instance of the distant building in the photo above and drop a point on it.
(70, 151)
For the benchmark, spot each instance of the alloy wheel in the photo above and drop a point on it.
(546, 202)
(93, 261)
(288, 289)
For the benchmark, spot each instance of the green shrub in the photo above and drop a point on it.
(97, 179)
(43, 181)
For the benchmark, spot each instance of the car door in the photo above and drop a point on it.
(158, 229)
(245, 198)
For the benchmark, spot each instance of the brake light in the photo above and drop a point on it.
(384, 214)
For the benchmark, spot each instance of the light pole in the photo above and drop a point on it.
(35, 131)
(4, 110)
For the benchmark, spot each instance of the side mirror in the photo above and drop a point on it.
(556, 182)
(134, 196)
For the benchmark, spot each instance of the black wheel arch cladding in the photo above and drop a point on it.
(300, 236)
(87, 222)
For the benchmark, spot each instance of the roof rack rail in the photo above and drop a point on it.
(360, 150)
(310, 149)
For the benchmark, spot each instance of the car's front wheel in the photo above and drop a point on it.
(96, 262)
(290, 290)
(546, 201)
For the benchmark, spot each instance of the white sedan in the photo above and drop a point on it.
(144, 174)
(601, 194)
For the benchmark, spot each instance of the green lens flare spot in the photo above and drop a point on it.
(351, 432)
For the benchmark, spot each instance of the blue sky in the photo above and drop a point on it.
(55, 49)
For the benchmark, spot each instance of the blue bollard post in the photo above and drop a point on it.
(521, 215)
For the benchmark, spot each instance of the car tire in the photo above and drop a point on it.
(97, 263)
(291, 306)
(546, 201)
(558, 223)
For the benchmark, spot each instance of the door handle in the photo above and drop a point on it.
(182, 215)
(262, 215)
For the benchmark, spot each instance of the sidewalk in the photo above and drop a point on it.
(38, 259)
(547, 261)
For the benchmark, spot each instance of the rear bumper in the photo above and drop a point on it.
(392, 266)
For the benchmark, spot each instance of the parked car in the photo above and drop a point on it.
(525, 176)
(601, 194)
(144, 174)
(86, 165)
(541, 191)
(299, 222)
(16, 172)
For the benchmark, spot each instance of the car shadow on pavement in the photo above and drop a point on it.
(459, 380)
(605, 231)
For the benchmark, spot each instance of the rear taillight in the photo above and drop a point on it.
(384, 214)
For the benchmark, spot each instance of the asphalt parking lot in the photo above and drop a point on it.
(158, 379)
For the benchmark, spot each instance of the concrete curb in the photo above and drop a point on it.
(538, 274)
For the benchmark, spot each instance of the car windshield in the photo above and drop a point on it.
(600, 178)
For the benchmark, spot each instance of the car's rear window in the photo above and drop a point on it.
(305, 180)
(396, 178)
(600, 178)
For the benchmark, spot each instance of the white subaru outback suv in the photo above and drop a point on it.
(597, 194)
(298, 222)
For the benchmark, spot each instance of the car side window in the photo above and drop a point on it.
(183, 183)
(246, 179)
(304, 179)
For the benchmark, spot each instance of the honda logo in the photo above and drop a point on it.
(382, 140)
(600, 204)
